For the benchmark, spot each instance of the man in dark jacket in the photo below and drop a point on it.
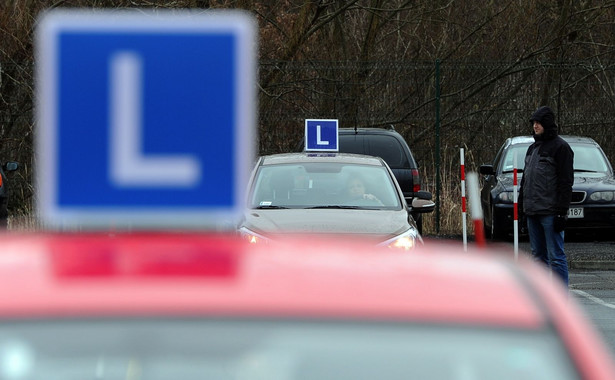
(546, 189)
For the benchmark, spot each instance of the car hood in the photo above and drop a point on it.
(374, 224)
(506, 179)
(593, 179)
(581, 180)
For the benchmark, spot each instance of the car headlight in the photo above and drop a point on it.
(251, 236)
(602, 196)
(406, 241)
(506, 197)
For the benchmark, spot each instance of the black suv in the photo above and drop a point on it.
(393, 149)
(8, 167)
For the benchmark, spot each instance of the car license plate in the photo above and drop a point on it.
(575, 212)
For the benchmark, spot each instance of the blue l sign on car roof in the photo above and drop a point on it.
(321, 135)
(146, 119)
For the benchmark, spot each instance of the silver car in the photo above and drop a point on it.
(335, 194)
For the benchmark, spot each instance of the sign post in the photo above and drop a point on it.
(476, 209)
(515, 208)
(463, 200)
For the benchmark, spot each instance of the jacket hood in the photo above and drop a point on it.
(545, 116)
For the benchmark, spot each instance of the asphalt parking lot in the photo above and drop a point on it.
(589, 251)
(586, 252)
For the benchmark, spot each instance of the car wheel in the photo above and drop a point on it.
(418, 219)
(3, 219)
(495, 233)
(487, 228)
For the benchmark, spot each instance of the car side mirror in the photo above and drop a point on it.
(421, 202)
(486, 170)
(422, 194)
(11, 166)
(422, 205)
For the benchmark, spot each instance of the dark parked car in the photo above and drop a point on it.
(593, 191)
(393, 149)
(4, 192)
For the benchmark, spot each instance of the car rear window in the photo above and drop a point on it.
(386, 147)
(260, 349)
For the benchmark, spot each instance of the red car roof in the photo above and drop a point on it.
(66, 274)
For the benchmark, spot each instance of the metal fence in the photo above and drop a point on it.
(480, 104)
(438, 107)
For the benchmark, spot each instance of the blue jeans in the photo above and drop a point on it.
(548, 245)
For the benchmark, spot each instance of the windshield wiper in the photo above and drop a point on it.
(585, 171)
(270, 208)
(512, 171)
(335, 206)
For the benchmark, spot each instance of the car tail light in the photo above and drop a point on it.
(145, 255)
(416, 181)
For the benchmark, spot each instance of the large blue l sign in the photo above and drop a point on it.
(321, 135)
(145, 119)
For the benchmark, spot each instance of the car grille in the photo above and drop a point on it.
(578, 196)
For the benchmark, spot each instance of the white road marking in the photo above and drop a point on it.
(593, 298)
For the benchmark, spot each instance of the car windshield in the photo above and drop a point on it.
(196, 349)
(514, 158)
(587, 158)
(324, 185)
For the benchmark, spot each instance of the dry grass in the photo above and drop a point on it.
(451, 220)
(450, 215)
(450, 200)
(27, 222)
